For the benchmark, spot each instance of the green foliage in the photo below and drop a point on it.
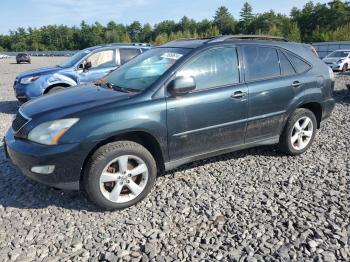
(224, 21)
(312, 23)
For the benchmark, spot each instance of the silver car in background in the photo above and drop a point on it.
(338, 60)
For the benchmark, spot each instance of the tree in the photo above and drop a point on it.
(246, 13)
(294, 33)
(134, 30)
(224, 21)
(246, 18)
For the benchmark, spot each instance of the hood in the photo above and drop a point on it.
(40, 71)
(71, 101)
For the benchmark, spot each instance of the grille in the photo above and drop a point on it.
(19, 122)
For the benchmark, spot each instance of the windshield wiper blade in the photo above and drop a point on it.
(122, 89)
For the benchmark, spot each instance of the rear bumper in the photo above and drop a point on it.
(327, 108)
(68, 160)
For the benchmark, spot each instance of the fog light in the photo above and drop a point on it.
(45, 170)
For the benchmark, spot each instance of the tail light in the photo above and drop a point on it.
(313, 50)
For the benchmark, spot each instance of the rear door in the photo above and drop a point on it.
(273, 84)
(212, 117)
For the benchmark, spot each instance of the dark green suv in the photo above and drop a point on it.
(177, 103)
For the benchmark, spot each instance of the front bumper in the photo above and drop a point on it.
(27, 92)
(68, 160)
(335, 67)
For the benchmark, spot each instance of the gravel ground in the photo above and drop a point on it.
(251, 205)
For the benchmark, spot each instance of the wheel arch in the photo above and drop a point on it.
(55, 85)
(143, 138)
(316, 109)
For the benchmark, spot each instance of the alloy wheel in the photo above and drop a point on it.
(124, 178)
(302, 133)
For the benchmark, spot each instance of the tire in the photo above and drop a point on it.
(56, 89)
(293, 141)
(345, 68)
(103, 189)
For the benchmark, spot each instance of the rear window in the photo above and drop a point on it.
(261, 63)
(299, 64)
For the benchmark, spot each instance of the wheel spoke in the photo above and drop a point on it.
(297, 126)
(300, 142)
(308, 133)
(123, 163)
(108, 177)
(114, 195)
(295, 137)
(142, 168)
(306, 123)
(134, 188)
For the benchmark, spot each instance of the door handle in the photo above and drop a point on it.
(296, 84)
(238, 94)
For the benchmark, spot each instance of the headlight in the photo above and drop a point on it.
(340, 60)
(331, 74)
(49, 133)
(28, 80)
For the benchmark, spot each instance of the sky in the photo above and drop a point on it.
(36, 13)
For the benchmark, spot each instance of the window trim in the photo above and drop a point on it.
(290, 62)
(302, 59)
(195, 55)
(275, 77)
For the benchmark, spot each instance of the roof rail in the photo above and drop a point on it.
(124, 44)
(192, 39)
(246, 37)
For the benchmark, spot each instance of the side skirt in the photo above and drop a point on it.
(179, 162)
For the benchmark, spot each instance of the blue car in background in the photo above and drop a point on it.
(84, 67)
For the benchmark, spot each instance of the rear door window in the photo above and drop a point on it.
(126, 54)
(286, 67)
(299, 64)
(261, 63)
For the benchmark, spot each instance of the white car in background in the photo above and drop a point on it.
(338, 60)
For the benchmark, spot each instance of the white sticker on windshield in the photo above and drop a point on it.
(175, 56)
(87, 51)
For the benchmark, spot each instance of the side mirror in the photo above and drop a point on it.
(85, 66)
(182, 85)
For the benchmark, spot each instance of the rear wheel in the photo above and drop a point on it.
(299, 132)
(119, 175)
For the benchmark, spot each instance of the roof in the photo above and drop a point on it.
(131, 45)
(197, 42)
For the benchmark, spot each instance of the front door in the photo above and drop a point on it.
(102, 63)
(212, 117)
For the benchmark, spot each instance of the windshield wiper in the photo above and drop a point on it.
(121, 89)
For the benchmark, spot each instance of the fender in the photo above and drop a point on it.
(58, 78)
(312, 95)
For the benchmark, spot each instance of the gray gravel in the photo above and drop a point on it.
(251, 205)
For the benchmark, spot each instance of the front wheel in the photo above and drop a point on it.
(119, 175)
(345, 68)
(56, 89)
(299, 132)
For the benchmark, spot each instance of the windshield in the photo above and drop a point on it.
(141, 72)
(75, 58)
(339, 54)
